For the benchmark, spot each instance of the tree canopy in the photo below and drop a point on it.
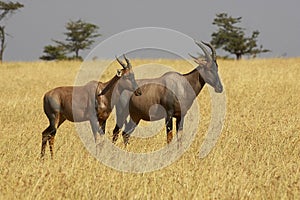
(80, 35)
(5, 10)
(54, 53)
(232, 38)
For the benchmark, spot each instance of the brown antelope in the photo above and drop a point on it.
(174, 92)
(91, 102)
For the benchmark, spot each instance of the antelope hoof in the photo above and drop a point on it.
(169, 137)
(126, 138)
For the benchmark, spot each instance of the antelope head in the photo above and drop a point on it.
(208, 67)
(126, 75)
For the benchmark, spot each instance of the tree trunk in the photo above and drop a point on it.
(2, 40)
(76, 53)
(238, 56)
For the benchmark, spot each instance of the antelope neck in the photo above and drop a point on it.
(195, 79)
(109, 86)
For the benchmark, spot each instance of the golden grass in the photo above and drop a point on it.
(256, 157)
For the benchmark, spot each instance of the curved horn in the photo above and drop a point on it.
(127, 61)
(204, 50)
(192, 56)
(120, 62)
(213, 50)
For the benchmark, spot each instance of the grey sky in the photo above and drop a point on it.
(39, 21)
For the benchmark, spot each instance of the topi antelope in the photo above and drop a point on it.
(174, 92)
(91, 102)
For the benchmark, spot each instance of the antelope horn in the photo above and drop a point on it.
(199, 54)
(127, 61)
(213, 50)
(204, 50)
(120, 62)
(193, 56)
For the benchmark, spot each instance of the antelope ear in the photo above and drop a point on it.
(119, 73)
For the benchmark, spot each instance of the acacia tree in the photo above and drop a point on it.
(52, 52)
(231, 38)
(80, 36)
(5, 10)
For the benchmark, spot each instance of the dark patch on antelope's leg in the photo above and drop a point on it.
(169, 136)
(169, 127)
(121, 120)
(129, 128)
(179, 124)
(102, 128)
(49, 130)
(51, 144)
(169, 118)
(59, 119)
(46, 134)
(126, 137)
(116, 132)
(179, 129)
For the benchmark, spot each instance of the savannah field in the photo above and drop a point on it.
(256, 156)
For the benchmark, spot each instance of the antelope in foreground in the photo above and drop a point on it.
(174, 92)
(91, 102)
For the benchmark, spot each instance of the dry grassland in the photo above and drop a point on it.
(256, 157)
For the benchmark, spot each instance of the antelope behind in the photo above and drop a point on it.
(91, 102)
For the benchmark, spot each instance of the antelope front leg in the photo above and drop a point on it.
(99, 140)
(116, 132)
(102, 128)
(129, 128)
(100, 136)
(169, 127)
(95, 129)
(121, 120)
(179, 129)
